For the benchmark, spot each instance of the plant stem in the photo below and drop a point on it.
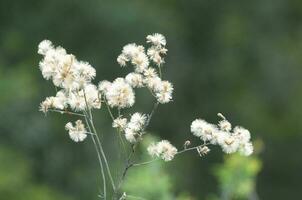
(129, 164)
(109, 110)
(99, 143)
(66, 112)
(159, 70)
(178, 153)
(103, 154)
(99, 157)
(151, 114)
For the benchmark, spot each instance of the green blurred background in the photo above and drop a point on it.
(241, 58)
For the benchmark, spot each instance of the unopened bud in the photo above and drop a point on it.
(221, 116)
(186, 144)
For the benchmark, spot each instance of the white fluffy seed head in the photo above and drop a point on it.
(225, 125)
(203, 129)
(122, 60)
(64, 69)
(92, 96)
(120, 94)
(132, 136)
(163, 149)
(135, 80)
(246, 149)
(119, 123)
(78, 132)
(104, 86)
(242, 134)
(156, 39)
(44, 47)
(135, 127)
(164, 92)
(150, 73)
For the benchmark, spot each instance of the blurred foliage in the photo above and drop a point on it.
(241, 58)
(237, 176)
(17, 182)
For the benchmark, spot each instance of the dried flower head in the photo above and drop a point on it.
(163, 149)
(78, 132)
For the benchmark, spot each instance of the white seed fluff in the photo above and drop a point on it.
(163, 149)
(78, 132)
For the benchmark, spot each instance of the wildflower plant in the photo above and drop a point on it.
(78, 95)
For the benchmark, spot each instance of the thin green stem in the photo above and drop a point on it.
(145, 163)
(103, 154)
(155, 106)
(99, 143)
(109, 110)
(129, 164)
(135, 197)
(159, 70)
(65, 112)
(178, 153)
(192, 148)
(99, 157)
(98, 140)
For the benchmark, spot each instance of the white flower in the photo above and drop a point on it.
(218, 137)
(153, 150)
(92, 96)
(44, 47)
(104, 86)
(84, 72)
(140, 62)
(138, 119)
(76, 101)
(242, 134)
(164, 92)
(119, 123)
(64, 69)
(131, 50)
(155, 54)
(153, 83)
(135, 54)
(122, 60)
(229, 144)
(78, 132)
(225, 125)
(203, 129)
(131, 135)
(246, 149)
(135, 80)
(150, 73)
(51, 62)
(135, 127)
(120, 94)
(156, 39)
(66, 74)
(60, 101)
(163, 149)
(46, 104)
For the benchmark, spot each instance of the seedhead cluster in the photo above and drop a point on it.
(78, 95)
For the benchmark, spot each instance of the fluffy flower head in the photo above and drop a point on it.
(163, 149)
(78, 132)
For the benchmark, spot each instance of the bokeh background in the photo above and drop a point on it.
(241, 58)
